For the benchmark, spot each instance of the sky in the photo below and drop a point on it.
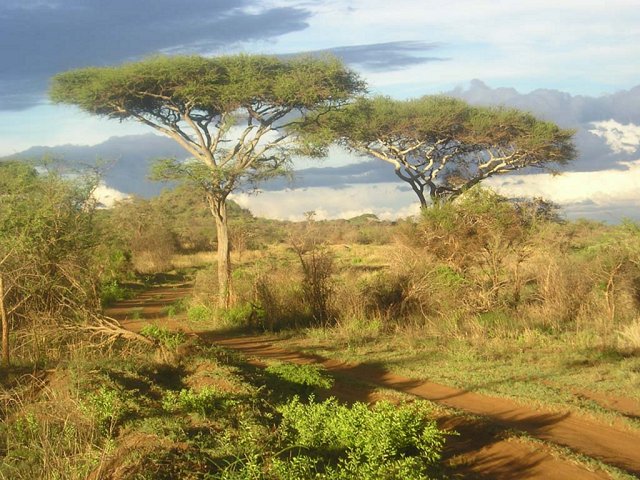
(571, 61)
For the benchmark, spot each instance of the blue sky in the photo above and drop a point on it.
(578, 52)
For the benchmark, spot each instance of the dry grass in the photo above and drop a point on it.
(191, 260)
(629, 336)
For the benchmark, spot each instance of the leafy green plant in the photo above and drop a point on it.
(111, 292)
(385, 441)
(164, 336)
(176, 308)
(199, 313)
(203, 402)
(106, 406)
(307, 375)
(240, 315)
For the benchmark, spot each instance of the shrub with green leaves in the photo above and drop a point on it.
(358, 442)
(111, 292)
(199, 313)
(106, 406)
(204, 401)
(164, 336)
(307, 375)
(239, 315)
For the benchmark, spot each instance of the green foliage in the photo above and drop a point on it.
(107, 406)
(458, 232)
(219, 84)
(111, 291)
(239, 315)
(164, 336)
(47, 244)
(306, 375)
(447, 276)
(204, 401)
(385, 441)
(443, 145)
(200, 313)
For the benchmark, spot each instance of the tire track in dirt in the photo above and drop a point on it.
(484, 454)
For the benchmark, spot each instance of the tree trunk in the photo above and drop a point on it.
(219, 211)
(5, 326)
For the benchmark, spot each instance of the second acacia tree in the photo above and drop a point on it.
(233, 114)
(442, 146)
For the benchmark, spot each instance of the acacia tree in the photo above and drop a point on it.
(442, 146)
(233, 114)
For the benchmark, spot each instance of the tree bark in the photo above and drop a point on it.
(5, 326)
(219, 211)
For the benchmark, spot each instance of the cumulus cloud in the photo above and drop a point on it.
(385, 200)
(606, 131)
(107, 196)
(621, 138)
(562, 107)
(607, 194)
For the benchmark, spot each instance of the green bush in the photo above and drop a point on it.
(307, 375)
(240, 315)
(199, 313)
(106, 406)
(164, 336)
(358, 442)
(111, 292)
(204, 402)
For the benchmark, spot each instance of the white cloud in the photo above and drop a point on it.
(605, 190)
(108, 196)
(621, 138)
(606, 195)
(386, 200)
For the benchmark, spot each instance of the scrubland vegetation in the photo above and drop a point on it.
(483, 293)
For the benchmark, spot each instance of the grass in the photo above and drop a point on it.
(176, 308)
(539, 314)
(542, 370)
(382, 317)
(210, 415)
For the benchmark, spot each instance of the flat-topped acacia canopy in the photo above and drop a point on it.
(213, 85)
(444, 145)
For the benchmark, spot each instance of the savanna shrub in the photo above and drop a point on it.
(307, 375)
(317, 264)
(205, 401)
(359, 442)
(164, 336)
(200, 313)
